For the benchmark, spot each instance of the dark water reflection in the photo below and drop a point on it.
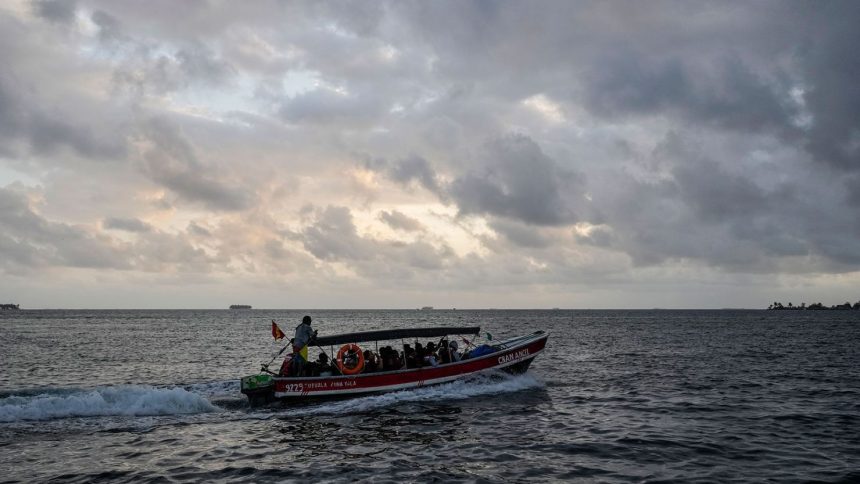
(619, 396)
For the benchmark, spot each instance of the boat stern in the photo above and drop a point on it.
(260, 389)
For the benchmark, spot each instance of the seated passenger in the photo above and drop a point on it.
(371, 364)
(390, 359)
(420, 353)
(430, 355)
(410, 357)
(444, 352)
(452, 349)
(383, 355)
(366, 362)
(310, 369)
(323, 368)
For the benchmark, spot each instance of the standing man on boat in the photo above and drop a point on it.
(304, 335)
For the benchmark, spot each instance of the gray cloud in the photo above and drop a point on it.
(520, 234)
(511, 177)
(400, 221)
(199, 62)
(333, 236)
(162, 252)
(110, 28)
(830, 66)
(327, 106)
(148, 67)
(515, 179)
(44, 132)
(11, 116)
(127, 224)
(31, 241)
(47, 135)
(724, 92)
(414, 168)
(714, 195)
(409, 171)
(61, 11)
(195, 229)
(598, 237)
(704, 212)
(172, 162)
(154, 73)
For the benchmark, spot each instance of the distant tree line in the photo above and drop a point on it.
(814, 307)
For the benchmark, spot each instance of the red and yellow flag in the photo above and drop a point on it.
(276, 332)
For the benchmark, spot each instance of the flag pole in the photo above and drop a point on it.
(266, 366)
(275, 332)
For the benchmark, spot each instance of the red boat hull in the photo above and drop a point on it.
(515, 358)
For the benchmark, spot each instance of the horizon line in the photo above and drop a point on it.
(389, 309)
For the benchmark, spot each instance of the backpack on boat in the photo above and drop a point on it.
(481, 351)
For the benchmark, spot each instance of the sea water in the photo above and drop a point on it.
(618, 396)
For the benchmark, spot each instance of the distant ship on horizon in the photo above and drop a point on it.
(10, 307)
(427, 308)
(240, 306)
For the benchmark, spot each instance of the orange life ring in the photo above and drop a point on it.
(359, 364)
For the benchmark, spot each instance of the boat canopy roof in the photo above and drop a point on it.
(385, 334)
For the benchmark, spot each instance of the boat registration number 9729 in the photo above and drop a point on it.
(513, 356)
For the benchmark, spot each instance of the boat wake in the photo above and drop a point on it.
(222, 397)
(222, 388)
(457, 390)
(126, 400)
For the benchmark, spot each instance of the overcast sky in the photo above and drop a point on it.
(537, 154)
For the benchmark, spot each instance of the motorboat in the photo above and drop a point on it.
(350, 377)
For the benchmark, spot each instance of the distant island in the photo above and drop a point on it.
(240, 306)
(778, 306)
(10, 307)
(426, 308)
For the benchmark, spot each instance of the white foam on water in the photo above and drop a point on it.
(216, 388)
(457, 390)
(127, 400)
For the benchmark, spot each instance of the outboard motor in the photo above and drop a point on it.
(260, 389)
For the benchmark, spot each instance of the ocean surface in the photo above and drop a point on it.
(618, 396)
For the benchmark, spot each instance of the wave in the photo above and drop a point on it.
(215, 388)
(126, 400)
(456, 390)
